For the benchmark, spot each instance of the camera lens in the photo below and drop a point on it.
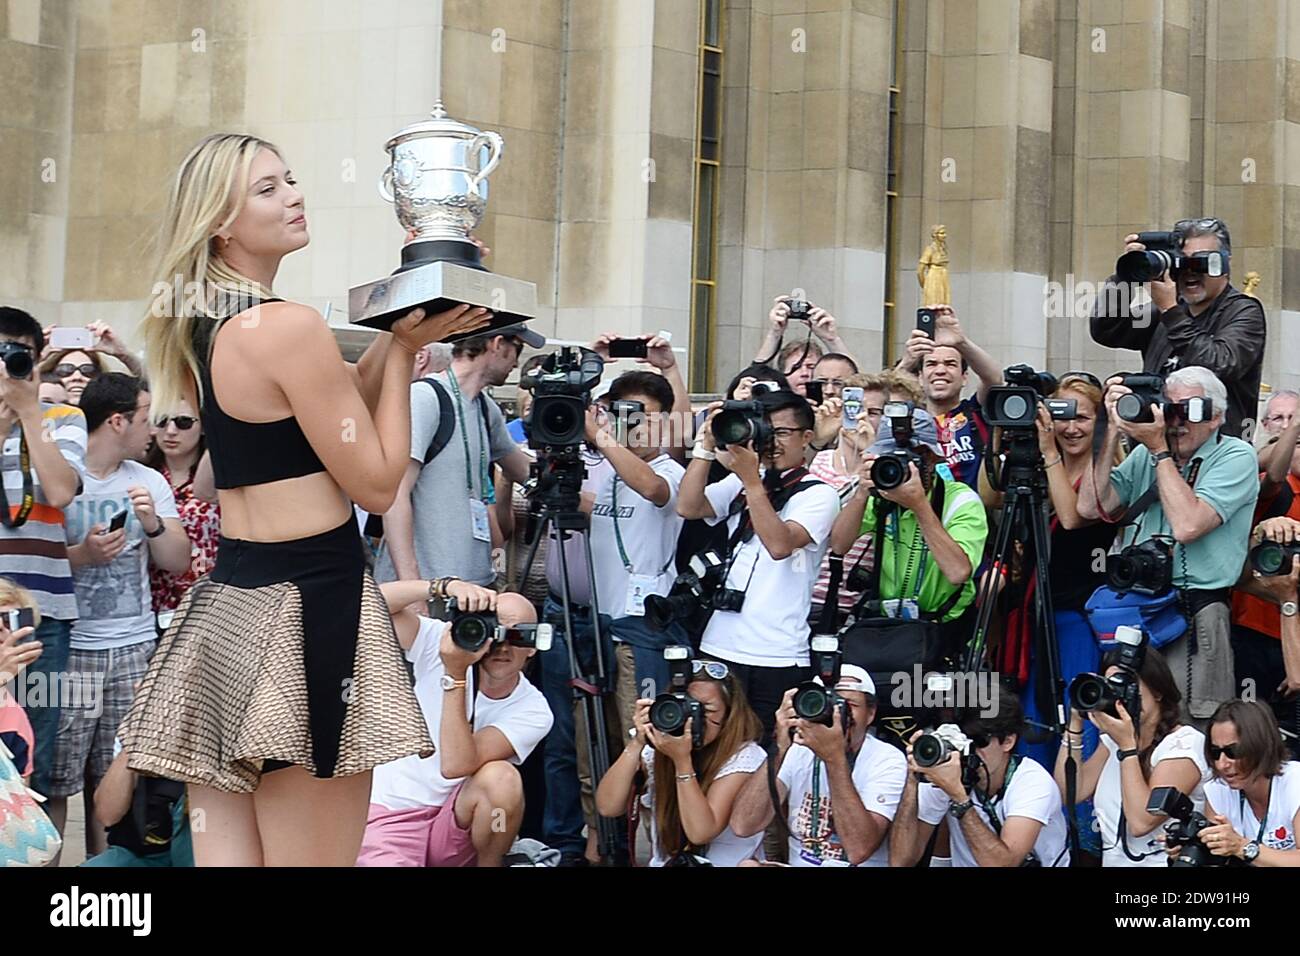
(1122, 572)
(469, 633)
(888, 472)
(558, 420)
(668, 715)
(18, 363)
(1268, 558)
(732, 428)
(929, 750)
(810, 702)
(1087, 692)
(1132, 408)
(1015, 407)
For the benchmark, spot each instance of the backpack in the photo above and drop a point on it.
(446, 425)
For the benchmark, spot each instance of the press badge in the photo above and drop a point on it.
(478, 519)
(901, 610)
(639, 587)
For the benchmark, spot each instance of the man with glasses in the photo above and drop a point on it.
(124, 520)
(778, 524)
(439, 525)
(1193, 317)
(839, 786)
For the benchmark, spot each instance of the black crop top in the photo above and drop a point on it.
(247, 453)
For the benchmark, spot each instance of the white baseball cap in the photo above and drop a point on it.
(853, 677)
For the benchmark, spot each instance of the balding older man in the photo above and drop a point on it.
(463, 805)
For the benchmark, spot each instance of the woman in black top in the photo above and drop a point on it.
(283, 659)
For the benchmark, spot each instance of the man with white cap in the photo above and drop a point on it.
(838, 785)
(934, 528)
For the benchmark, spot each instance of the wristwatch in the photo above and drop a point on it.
(1289, 609)
(1250, 852)
(450, 683)
(1124, 754)
(157, 531)
(1160, 456)
(958, 810)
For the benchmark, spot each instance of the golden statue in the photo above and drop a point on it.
(1252, 283)
(932, 270)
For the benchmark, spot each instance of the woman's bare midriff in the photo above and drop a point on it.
(279, 510)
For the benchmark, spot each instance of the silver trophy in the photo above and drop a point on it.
(437, 182)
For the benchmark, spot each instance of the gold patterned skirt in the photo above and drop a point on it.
(285, 655)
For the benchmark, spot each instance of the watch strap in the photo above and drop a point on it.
(1124, 754)
(158, 531)
(958, 810)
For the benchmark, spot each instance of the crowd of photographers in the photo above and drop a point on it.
(841, 617)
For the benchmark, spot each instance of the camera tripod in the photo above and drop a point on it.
(557, 493)
(1023, 518)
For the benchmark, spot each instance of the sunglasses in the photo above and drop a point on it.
(1230, 751)
(183, 422)
(63, 370)
(715, 669)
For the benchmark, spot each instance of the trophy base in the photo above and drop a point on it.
(439, 286)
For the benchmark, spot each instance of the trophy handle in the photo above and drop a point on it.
(386, 184)
(496, 144)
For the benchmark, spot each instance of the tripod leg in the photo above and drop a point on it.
(607, 836)
(989, 589)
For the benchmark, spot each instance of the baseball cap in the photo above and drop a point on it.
(925, 431)
(520, 330)
(853, 677)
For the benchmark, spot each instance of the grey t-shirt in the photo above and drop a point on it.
(444, 537)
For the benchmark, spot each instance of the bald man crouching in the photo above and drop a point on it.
(463, 805)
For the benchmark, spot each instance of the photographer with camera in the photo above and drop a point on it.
(439, 522)
(1253, 801)
(703, 736)
(1002, 809)
(942, 361)
(1191, 483)
(798, 360)
(933, 530)
(1194, 317)
(778, 522)
(1266, 623)
(837, 785)
(1134, 703)
(463, 805)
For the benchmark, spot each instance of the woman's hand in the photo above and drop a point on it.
(14, 655)
(675, 748)
(641, 723)
(1221, 839)
(106, 339)
(744, 389)
(1119, 729)
(828, 417)
(1046, 433)
(414, 331)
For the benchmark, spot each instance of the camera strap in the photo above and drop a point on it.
(19, 517)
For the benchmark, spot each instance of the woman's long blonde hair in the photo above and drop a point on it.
(207, 197)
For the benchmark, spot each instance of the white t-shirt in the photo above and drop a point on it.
(649, 536)
(1032, 793)
(1283, 802)
(726, 849)
(1185, 742)
(113, 600)
(412, 782)
(878, 776)
(771, 629)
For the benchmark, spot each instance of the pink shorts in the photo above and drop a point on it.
(424, 836)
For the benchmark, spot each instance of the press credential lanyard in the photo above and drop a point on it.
(639, 586)
(477, 503)
(19, 516)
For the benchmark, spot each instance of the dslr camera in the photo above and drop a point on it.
(692, 592)
(1270, 558)
(470, 630)
(670, 711)
(818, 702)
(894, 468)
(1147, 568)
(1163, 256)
(1089, 692)
(1015, 404)
(934, 747)
(18, 359)
(1184, 830)
(1149, 389)
(743, 423)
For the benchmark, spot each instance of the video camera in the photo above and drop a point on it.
(692, 591)
(892, 469)
(1015, 404)
(1184, 830)
(1089, 692)
(1147, 568)
(817, 702)
(1162, 255)
(670, 711)
(1149, 389)
(561, 388)
(470, 630)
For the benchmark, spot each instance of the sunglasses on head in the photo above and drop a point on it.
(1230, 751)
(183, 422)
(715, 669)
(1086, 376)
(64, 369)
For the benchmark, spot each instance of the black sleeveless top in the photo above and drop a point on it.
(247, 453)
